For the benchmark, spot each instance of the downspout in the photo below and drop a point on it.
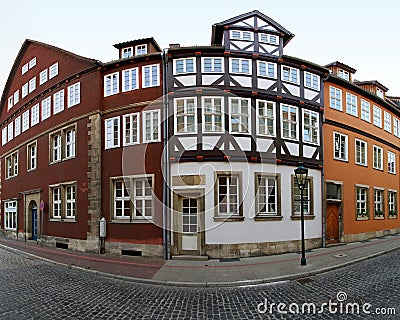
(165, 161)
(323, 190)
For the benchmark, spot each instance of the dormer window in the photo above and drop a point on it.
(268, 38)
(344, 75)
(127, 52)
(141, 49)
(379, 93)
(241, 35)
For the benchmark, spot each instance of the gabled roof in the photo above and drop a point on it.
(136, 42)
(372, 82)
(20, 55)
(217, 28)
(342, 66)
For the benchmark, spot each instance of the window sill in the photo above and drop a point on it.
(306, 217)
(362, 218)
(62, 160)
(267, 218)
(362, 165)
(392, 217)
(379, 218)
(229, 218)
(343, 160)
(128, 221)
(290, 82)
(62, 220)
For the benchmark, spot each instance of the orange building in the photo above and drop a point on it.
(361, 157)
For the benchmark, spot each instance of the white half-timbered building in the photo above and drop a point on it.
(241, 116)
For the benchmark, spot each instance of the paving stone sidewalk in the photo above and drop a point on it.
(214, 272)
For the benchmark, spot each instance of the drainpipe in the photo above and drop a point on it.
(165, 161)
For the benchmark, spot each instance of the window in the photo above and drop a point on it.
(58, 102)
(151, 126)
(365, 110)
(307, 196)
(311, 80)
(127, 52)
(43, 76)
(265, 118)
(32, 63)
(228, 194)
(111, 84)
(32, 84)
(17, 126)
(290, 74)
(241, 35)
(74, 94)
(213, 119)
(239, 113)
(151, 76)
(268, 38)
(396, 127)
(4, 136)
(25, 121)
(25, 68)
(310, 126)
(35, 115)
(351, 104)
(32, 156)
(16, 97)
(392, 205)
(340, 146)
(289, 122)
(266, 69)
(10, 102)
(141, 49)
(131, 81)
(391, 162)
(361, 152)
(24, 90)
(185, 115)
(10, 131)
(131, 129)
(12, 165)
(377, 116)
(240, 66)
(133, 198)
(379, 93)
(362, 202)
(387, 121)
(378, 158)
(63, 144)
(112, 129)
(46, 108)
(53, 70)
(10, 215)
(267, 188)
(378, 203)
(212, 65)
(344, 75)
(186, 65)
(63, 198)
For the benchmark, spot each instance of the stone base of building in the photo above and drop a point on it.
(243, 250)
(134, 249)
(368, 235)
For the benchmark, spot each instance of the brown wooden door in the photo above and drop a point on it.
(332, 223)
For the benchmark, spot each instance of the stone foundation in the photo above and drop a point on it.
(147, 250)
(368, 235)
(243, 250)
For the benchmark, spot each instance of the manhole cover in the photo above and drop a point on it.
(304, 280)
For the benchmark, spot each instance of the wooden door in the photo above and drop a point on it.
(332, 223)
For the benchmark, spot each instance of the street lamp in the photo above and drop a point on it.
(301, 173)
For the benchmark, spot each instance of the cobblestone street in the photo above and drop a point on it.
(33, 289)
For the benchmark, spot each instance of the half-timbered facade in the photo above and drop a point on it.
(362, 151)
(241, 116)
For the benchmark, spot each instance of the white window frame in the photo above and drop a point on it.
(56, 147)
(290, 74)
(4, 136)
(140, 47)
(240, 116)
(128, 76)
(185, 115)
(70, 143)
(151, 71)
(361, 152)
(46, 108)
(127, 52)
(339, 147)
(24, 91)
(112, 130)
(25, 68)
(265, 192)
(16, 97)
(185, 62)
(344, 74)
(266, 38)
(241, 35)
(377, 117)
(228, 195)
(58, 102)
(17, 126)
(351, 104)
(377, 162)
(123, 199)
(111, 84)
(311, 81)
(268, 67)
(35, 118)
(10, 131)
(43, 76)
(53, 70)
(387, 118)
(10, 215)
(380, 93)
(11, 165)
(391, 160)
(312, 127)
(241, 64)
(290, 110)
(213, 70)
(74, 94)
(266, 117)
(32, 63)
(154, 126)
(378, 201)
(365, 110)
(56, 199)
(213, 113)
(32, 84)
(31, 151)
(335, 98)
(10, 102)
(396, 127)
(70, 201)
(25, 120)
(129, 133)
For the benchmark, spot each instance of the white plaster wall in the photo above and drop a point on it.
(249, 230)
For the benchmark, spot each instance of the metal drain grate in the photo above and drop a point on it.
(229, 259)
(305, 280)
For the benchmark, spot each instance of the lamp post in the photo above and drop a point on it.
(301, 173)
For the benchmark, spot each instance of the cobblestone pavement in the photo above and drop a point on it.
(33, 289)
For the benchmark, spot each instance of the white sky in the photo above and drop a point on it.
(360, 33)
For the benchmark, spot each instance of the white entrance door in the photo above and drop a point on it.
(190, 239)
